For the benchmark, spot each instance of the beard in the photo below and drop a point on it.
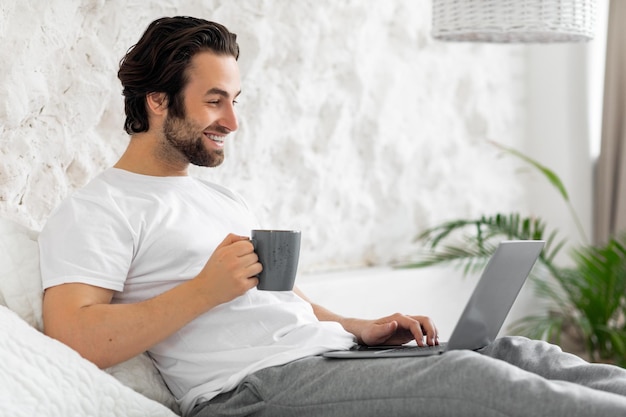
(187, 141)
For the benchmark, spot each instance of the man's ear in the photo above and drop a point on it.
(156, 103)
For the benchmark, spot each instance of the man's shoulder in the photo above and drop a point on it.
(103, 180)
(98, 196)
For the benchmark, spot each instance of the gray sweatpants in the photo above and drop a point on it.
(513, 376)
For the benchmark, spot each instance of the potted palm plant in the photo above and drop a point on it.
(587, 299)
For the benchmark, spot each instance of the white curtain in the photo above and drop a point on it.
(610, 170)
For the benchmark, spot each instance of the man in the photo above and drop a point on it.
(146, 258)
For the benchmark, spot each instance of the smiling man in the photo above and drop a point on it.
(148, 258)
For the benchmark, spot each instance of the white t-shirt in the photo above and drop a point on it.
(140, 236)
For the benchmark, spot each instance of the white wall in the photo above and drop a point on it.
(564, 107)
(558, 134)
(356, 127)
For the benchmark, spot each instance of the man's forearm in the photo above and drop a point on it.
(351, 325)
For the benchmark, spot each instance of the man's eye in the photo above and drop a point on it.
(235, 102)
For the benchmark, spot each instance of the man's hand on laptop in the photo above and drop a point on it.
(399, 329)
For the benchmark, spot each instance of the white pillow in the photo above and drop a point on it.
(140, 374)
(21, 291)
(20, 281)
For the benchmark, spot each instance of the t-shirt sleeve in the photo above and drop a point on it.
(85, 241)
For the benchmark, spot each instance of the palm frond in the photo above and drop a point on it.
(475, 240)
(549, 289)
(597, 283)
(616, 347)
(470, 258)
(552, 179)
(547, 172)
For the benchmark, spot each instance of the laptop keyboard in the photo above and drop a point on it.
(403, 349)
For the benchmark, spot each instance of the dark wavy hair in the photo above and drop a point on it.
(158, 63)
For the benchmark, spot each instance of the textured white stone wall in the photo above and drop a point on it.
(355, 126)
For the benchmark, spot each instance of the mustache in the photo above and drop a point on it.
(219, 129)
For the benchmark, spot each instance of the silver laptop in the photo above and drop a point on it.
(485, 311)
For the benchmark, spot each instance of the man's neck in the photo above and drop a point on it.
(141, 157)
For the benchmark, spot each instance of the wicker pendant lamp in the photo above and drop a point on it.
(514, 20)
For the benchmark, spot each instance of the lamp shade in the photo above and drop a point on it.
(514, 20)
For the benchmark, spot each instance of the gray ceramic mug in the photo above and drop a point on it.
(278, 252)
